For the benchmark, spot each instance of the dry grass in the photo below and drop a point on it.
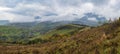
(100, 40)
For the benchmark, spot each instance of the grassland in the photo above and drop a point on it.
(99, 40)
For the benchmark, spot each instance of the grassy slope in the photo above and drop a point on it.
(59, 32)
(13, 34)
(9, 34)
(99, 40)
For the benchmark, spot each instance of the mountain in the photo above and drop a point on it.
(91, 19)
(18, 32)
(22, 35)
(64, 30)
(34, 29)
(99, 40)
(4, 22)
(46, 28)
(103, 39)
(41, 27)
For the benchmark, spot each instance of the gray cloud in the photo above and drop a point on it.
(17, 10)
(97, 2)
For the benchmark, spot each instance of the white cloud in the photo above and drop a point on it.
(92, 19)
(113, 2)
(5, 8)
(7, 16)
(87, 6)
(28, 9)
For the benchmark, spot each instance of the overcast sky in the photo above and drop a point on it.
(27, 10)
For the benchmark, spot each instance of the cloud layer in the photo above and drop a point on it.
(56, 10)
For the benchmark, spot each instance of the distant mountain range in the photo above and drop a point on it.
(4, 22)
(90, 19)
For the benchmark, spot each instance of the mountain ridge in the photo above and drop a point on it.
(103, 39)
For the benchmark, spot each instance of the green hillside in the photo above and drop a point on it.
(12, 34)
(99, 40)
(60, 31)
(22, 35)
(72, 39)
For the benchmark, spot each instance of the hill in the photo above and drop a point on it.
(4, 22)
(59, 32)
(99, 40)
(11, 34)
(17, 34)
(22, 32)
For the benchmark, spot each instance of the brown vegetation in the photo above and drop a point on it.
(100, 40)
